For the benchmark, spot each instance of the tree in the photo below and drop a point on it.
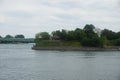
(56, 35)
(118, 34)
(43, 36)
(0, 36)
(89, 30)
(61, 34)
(93, 42)
(19, 36)
(92, 38)
(110, 35)
(8, 36)
(117, 42)
(71, 35)
(79, 34)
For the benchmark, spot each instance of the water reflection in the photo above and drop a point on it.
(89, 55)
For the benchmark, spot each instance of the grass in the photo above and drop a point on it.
(58, 43)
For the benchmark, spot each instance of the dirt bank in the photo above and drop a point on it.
(69, 48)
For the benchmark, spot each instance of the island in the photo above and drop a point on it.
(89, 38)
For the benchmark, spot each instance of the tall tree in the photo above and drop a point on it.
(89, 30)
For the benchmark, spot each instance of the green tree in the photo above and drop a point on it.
(61, 34)
(93, 42)
(0, 36)
(8, 36)
(43, 36)
(19, 36)
(71, 35)
(79, 34)
(117, 42)
(110, 35)
(89, 30)
(56, 35)
(118, 34)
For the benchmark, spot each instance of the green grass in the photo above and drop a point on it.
(58, 43)
(71, 43)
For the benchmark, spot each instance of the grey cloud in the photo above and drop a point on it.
(103, 5)
(64, 5)
(119, 2)
(67, 17)
(20, 14)
(32, 16)
(1, 1)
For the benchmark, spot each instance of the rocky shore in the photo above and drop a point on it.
(69, 48)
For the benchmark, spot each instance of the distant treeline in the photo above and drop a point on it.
(16, 36)
(16, 39)
(88, 36)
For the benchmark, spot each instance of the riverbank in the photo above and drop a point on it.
(69, 48)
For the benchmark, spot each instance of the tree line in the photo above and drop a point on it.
(88, 36)
(16, 36)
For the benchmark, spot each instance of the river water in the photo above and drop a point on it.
(20, 62)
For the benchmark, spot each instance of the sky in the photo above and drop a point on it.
(29, 17)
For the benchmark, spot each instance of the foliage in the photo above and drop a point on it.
(62, 34)
(89, 30)
(79, 34)
(19, 36)
(110, 35)
(93, 42)
(85, 37)
(8, 36)
(0, 36)
(71, 35)
(43, 36)
(115, 42)
(118, 34)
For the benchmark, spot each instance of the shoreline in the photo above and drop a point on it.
(69, 48)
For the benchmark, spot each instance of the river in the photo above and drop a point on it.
(20, 62)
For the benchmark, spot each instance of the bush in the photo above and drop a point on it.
(93, 42)
(115, 42)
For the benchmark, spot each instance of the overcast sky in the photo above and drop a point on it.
(29, 17)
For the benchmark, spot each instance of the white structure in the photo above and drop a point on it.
(98, 31)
